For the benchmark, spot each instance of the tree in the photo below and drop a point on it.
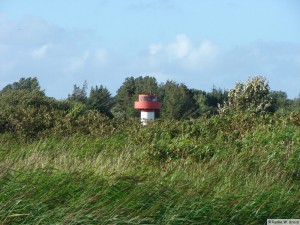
(253, 96)
(29, 84)
(146, 85)
(79, 94)
(279, 100)
(100, 99)
(128, 93)
(207, 103)
(215, 97)
(177, 101)
(201, 101)
(27, 113)
(295, 104)
(124, 99)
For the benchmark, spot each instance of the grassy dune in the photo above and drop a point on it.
(222, 170)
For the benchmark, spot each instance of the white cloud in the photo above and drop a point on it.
(204, 64)
(155, 48)
(40, 52)
(180, 48)
(74, 64)
(183, 52)
(70, 57)
(202, 56)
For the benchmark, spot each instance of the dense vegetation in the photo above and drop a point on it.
(81, 161)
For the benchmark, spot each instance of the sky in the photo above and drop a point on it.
(201, 43)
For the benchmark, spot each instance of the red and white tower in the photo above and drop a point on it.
(147, 104)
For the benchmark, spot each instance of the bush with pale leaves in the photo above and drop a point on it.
(253, 97)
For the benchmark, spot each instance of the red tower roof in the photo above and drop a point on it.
(147, 102)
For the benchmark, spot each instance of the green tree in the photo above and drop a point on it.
(216, 97)
(295, 104)
(253, 96)
(29, 84)
(100, 99)
(128, 93)
(279, 100)
(124, 99)
(79, 94)
(25, 110)
(177, 101)
(207, 103)
(27, 113)
(146, 85)
(201, 100)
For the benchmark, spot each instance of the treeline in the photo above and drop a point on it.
(26, 111)
(179, 101)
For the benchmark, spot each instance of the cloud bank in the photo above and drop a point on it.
(61, 58)
(184, 52)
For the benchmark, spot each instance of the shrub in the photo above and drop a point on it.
(252, 97)
(25, 113)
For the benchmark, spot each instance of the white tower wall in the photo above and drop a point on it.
(145, 116)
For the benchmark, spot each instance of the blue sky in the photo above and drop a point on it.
(202, 43)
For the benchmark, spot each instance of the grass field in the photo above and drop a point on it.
(219, 170)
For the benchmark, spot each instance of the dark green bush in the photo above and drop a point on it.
(26, 113)
(30, 114)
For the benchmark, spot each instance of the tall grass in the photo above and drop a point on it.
(222, 170)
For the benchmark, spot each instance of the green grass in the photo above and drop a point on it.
(232, 170)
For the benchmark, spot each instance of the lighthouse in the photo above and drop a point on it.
(147, 104)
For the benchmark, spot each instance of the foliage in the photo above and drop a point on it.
(216, 97)
(204, 138)
(63, 162)
(178, 102)
(207, 103)
(279, 100)
(128, 93)
(233, 169)
(295, 104)
(26, 113)
(30, 114)
(125, 100)
(252, 96)
(79, 94)
(29, 84)
(146, 85)
(24, 108)
(100, 99)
